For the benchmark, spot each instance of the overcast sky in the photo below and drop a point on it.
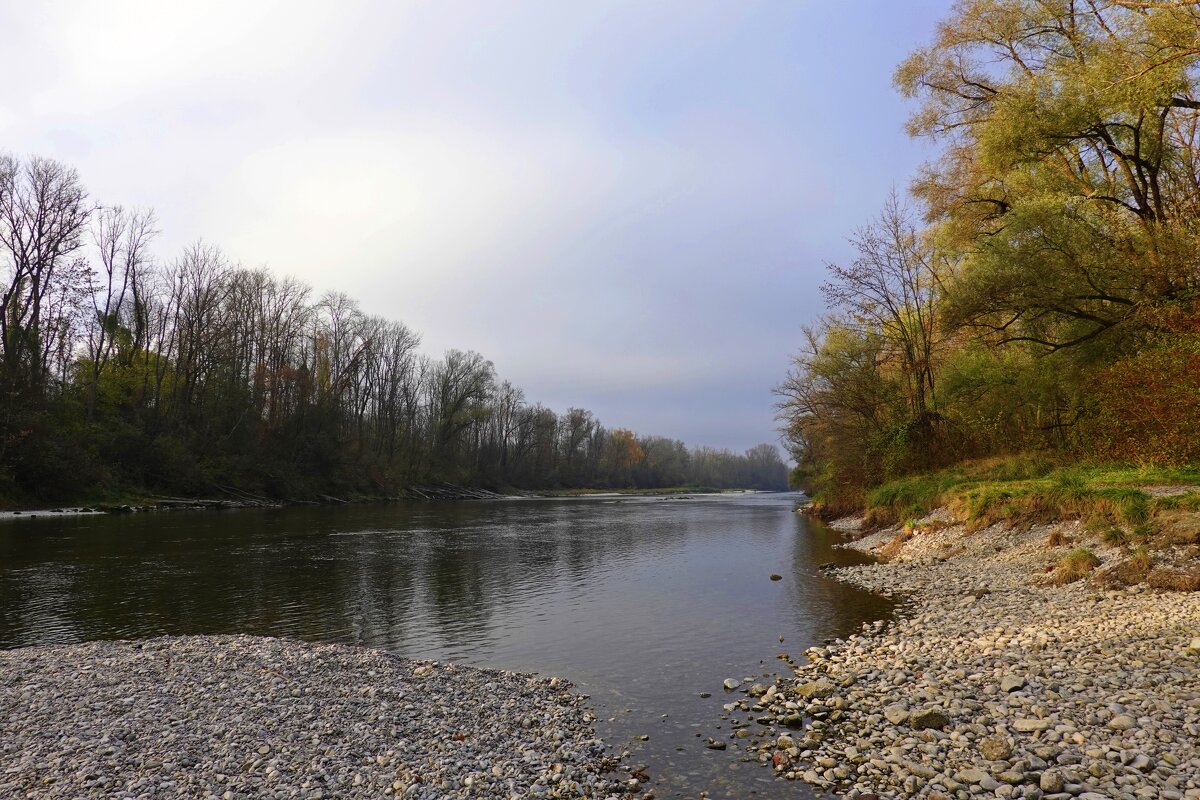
(626, 206)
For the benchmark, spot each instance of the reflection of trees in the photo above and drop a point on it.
(438, 580)
(830, 607)
(380, 575)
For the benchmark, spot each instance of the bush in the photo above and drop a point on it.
(1150, 402)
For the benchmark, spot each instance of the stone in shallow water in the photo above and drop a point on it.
(731, 683)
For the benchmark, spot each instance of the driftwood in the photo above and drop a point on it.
(246, 499)
(186, 501)
(447, 491)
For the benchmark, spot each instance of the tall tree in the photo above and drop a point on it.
(1069, 176)
(43, 216)
(893, 288)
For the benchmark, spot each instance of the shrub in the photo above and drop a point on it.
(1150, 401)
(1129, 572)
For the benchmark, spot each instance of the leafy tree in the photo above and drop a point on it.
(1069, 176)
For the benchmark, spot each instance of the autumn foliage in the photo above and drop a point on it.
(1040, 294)
(1148, 405)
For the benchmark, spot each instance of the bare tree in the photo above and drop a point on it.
(43, 214)
(893, 287)
(121, 238)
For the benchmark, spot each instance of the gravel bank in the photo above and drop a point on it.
(242, 717)
(989, 685)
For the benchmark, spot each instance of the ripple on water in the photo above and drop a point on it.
(645, 603)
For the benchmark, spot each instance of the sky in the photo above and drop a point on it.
(626, 206)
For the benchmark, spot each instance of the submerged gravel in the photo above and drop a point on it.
(241, 717)
(991, 685)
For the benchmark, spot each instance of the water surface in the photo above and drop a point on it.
(644, 602)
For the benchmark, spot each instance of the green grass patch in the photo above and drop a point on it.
(1035, 489)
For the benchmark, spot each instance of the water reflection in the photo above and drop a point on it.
(645, 602)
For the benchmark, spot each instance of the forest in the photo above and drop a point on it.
(1035, 291)
(123, 373)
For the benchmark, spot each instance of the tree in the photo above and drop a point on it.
(43, 215)
(461, 385)
(121, 238)
(893, 288)
(767, 470)
(622, 453)
(837, 405)
(1069, 178)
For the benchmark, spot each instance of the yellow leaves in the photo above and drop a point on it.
(626, 451)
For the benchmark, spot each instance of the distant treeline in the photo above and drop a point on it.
(119, 372)
(1039, 293)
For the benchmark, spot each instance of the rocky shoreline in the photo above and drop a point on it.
(240, 717)
(990, 684)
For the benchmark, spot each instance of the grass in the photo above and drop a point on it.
(1032, 489)
(1154, 539)
(1174, 580)
(1130, 571)
(1074, 566)
(1057, 539)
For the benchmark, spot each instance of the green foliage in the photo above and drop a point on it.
(913, 496)
(1116, 537)
(1055, 283)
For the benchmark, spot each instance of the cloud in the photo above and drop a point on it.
(625, 206)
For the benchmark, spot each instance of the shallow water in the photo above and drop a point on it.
(643, 602)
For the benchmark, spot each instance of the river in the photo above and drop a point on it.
(644, 602)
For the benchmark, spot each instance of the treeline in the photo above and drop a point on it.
(1039, 289)
(197, 376)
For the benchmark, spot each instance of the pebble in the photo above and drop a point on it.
(1026, 691)
(246, 717)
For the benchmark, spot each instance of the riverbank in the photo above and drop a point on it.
(234, 499)
(432, 492)
(240, 717)
(993, 683)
